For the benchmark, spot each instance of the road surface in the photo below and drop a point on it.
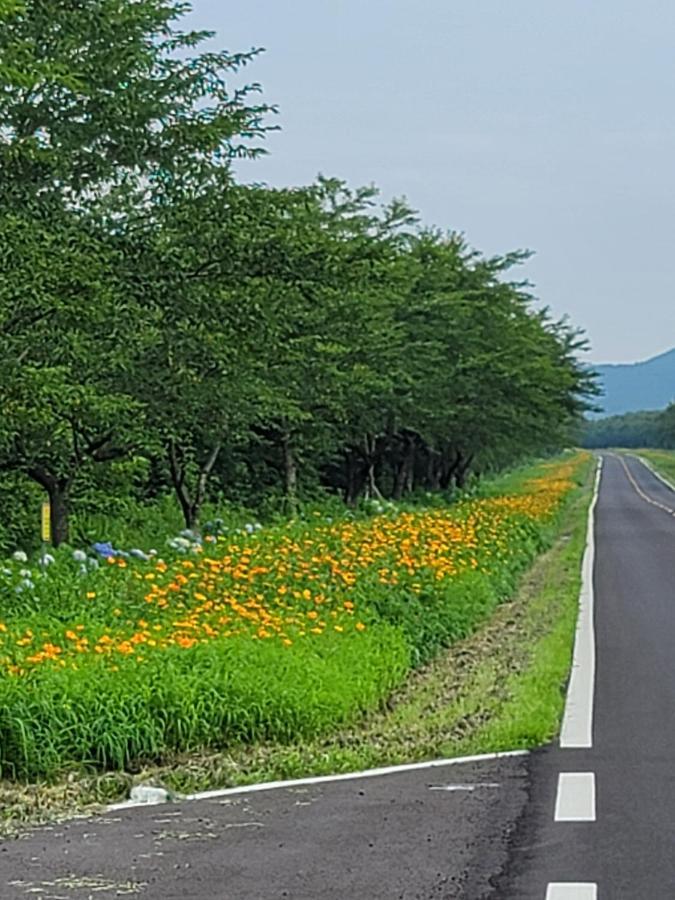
(569, 822)
(623, 848)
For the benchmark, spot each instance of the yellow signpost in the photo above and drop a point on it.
(46, 523)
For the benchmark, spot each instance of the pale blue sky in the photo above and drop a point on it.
(522, 123)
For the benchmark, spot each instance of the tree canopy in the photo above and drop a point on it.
(649, 428)
(241, 340)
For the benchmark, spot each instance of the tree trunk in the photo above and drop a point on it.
(353, 484)
(433, 479)
(290, 473)
(462, 470)
(409, 484)
(187, 507)
(177, 466)
(370, 445)
(202, 482)
(59, 513)
(58, 491)
(448, 467)
(406, 469)
(190, 504)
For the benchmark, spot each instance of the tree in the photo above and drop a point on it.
(645, 428)
(66, 336)
(116, 119)
(119, 102)
(199, 373)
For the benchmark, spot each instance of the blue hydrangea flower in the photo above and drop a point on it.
(104, 549)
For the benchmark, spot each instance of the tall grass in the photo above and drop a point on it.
(239, 691)
(110, 705)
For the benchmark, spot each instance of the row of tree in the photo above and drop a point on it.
(647, 428)
(151, 307)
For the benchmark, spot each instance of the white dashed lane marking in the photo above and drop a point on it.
(575, 801)
(572, 890)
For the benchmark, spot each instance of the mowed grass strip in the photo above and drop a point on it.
(661, 460)
(500, 688)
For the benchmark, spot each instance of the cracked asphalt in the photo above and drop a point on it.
(433, 833)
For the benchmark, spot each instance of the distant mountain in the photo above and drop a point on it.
(635, 386)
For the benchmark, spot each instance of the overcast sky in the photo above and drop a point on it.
(522, 123)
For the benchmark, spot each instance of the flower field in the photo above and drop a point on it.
(113, 658)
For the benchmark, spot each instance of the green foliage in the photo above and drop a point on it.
(20, 502)
(175, 346)
(436, 618)
(107, 118)
(113, 713)
(649, 428)
(237, 692)
(251, 345)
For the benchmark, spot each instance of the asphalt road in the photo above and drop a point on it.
(561, 824)
(626, 851)
(397, 836)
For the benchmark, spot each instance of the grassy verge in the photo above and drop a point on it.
(662, 460)
(281, 636)
(502, 687)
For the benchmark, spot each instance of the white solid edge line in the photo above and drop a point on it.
(654, 472)
(577, 727)
(575, 800)
(572, 890)
(325, 779)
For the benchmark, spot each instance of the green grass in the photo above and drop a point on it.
(112, 703)
(240, 692)
(502, 687)
(662, 460)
